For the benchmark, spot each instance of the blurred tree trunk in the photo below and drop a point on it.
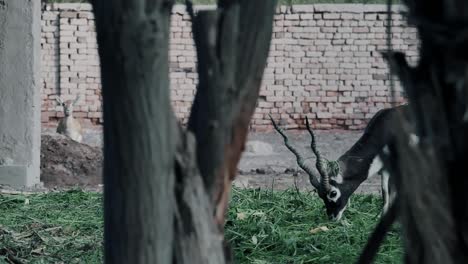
(230, 74)
(431, 177)
(166, 189)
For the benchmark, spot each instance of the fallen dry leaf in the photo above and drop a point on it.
(318, 229)
(38, 251)
(258, 213)
(254, 240)
(241, 216)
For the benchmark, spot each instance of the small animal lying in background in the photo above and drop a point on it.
(68, 125)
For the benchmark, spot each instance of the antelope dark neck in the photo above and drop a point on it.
(378, 133)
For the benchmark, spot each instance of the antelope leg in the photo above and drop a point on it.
(385, 190)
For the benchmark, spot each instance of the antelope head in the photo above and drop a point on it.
(326, 182)
(67, 105)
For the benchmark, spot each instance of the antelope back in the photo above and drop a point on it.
(362, 160)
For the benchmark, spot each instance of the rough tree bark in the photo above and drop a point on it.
(160, 184)
(139, 146)
(232, 57)
(431, 178)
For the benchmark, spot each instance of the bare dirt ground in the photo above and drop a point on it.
(65, 162)
(266, 163)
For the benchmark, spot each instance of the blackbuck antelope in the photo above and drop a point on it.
(339, 179)
(68, 125)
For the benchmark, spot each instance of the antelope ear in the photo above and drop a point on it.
(59, 100)
(78, 97)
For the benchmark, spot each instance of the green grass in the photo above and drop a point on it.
(263, 227)
(275, 227)
(63, 227)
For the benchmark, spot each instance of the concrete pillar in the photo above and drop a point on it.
(20, 105)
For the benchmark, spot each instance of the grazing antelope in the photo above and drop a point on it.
(339, 179)
(68, 125)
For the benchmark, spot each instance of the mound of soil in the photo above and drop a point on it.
(66, 163)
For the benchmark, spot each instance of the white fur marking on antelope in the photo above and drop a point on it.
(340, 214)
(390, 200)
(385, 190)
(337, 196)
(386, 150)
(375, 167)
(413, 140)
(338, 178)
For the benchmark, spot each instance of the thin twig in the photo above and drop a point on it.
(11, 258)
(296, 187)
(13, 192)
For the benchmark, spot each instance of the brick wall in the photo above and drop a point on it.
(324, 63)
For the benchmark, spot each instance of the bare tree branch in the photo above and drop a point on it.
(231, 59)
(197, 238)
(215, 34)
